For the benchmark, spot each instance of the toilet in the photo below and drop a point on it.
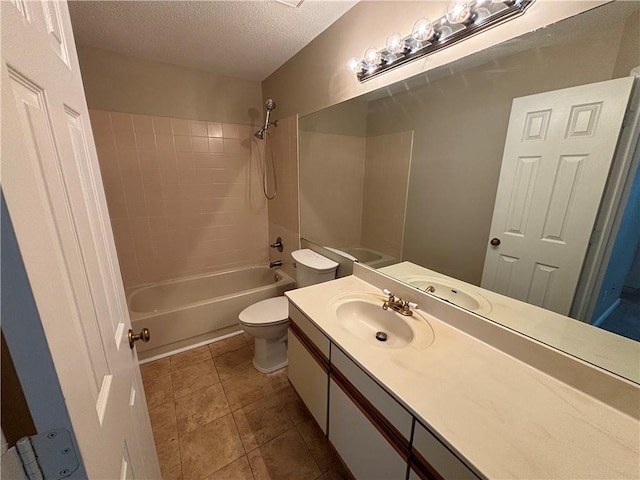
(267, 321)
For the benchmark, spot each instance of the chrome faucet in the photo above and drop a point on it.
(277, 263)
(398, 305)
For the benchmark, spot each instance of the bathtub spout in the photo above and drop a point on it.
(277, 263)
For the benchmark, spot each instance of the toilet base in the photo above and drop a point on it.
(270, 369)
(270, 355)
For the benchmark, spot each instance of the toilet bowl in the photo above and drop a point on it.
(266, 321)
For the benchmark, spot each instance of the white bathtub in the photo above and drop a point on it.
(365, 255)
(196, 310)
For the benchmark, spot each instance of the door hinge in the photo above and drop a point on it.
(48, 455)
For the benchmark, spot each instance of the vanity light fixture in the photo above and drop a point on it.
(463, 19)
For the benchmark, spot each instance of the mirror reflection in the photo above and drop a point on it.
(435, 171)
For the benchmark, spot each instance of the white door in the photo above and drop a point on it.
(53, 190)
(556, 160)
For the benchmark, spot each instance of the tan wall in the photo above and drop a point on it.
(282, 149)
(331, 188)
(120, 83)
(184, 196)
(629, 56)
(317, 76)
(386, 182)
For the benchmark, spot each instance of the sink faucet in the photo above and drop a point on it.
(398, 305)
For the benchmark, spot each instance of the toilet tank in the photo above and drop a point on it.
(312, 268)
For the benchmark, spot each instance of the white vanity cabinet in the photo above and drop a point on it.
(431, 460)
(374, 435)
(368, 428)
(308, 352)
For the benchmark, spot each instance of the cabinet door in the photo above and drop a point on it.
(309, 378)
(363, 449)
(435, 460)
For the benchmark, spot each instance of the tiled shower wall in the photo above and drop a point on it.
(282, 148)
(184, 197)
(386, 182)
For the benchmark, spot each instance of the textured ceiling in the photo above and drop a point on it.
(237, 38)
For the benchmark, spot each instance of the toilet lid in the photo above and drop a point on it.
(271, 310)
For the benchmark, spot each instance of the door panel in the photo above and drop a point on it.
(555, 165)
(55, 197)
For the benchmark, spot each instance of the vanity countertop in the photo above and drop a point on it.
(600, 347)
(506, 418)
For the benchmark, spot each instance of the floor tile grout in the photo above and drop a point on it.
(269, 384)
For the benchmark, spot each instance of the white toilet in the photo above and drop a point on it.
(267, 321)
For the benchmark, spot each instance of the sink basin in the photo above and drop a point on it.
(451, 292)
(363, 317)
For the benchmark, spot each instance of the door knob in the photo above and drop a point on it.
(144, 335)
(495, 242)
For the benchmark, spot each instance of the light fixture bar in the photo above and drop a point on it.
(480, 16)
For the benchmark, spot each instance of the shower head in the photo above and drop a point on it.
(269, 105)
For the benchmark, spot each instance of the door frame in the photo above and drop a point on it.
(616, 195)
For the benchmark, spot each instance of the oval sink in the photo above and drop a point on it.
(363, 317)
(451, 292)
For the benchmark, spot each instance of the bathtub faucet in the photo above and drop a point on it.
(277, 263)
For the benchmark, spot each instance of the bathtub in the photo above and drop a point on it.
(193, 311)
(365, 255)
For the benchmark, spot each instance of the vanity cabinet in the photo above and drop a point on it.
(367, 427)
(308, 352)
(374, 435)
(431, 460)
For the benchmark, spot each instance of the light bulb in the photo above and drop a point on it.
(354, 64)
(395, 43)
(371, 57)
(459, 12)
(422, 30)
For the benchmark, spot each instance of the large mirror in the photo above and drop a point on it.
(412, 172)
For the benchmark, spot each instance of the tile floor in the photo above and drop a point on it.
(215, 417)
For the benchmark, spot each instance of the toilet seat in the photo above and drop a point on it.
(266, 312)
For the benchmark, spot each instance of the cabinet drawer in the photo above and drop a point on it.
(429, 454)
(309, 329)
(390, 409)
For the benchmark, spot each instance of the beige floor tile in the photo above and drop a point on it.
(249, 339)
(158, 390)
(169, 458)
(163, 423)
(234, 363)
(279, 378)
(227, 345)
(238, 470)
(317, 444)
(337, 472)
(285, 457)
(156, 368)
(190, 357)
(194, 377)
(209, 448)
(246, 387)
(200, 408)
(261, 421)
(293, 405)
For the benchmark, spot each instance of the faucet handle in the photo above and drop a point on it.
(387, 292)
(412, 305)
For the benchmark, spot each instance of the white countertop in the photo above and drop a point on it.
(507, 419)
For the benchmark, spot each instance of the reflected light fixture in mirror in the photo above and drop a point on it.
(463, 19)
